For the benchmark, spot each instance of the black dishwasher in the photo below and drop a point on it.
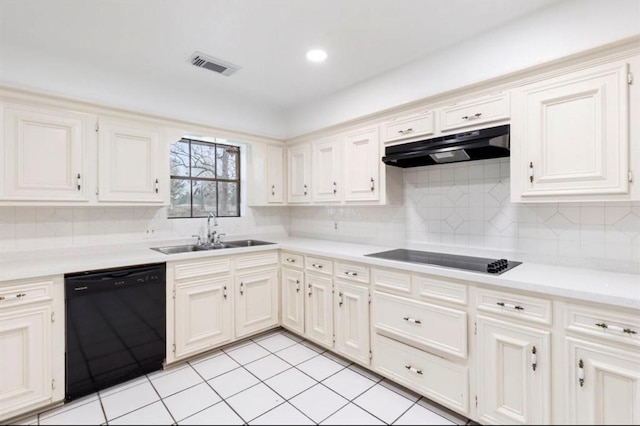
(115, 327)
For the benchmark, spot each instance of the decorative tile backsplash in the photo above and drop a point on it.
(467, 205)
(463, 205)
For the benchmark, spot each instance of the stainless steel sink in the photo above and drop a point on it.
(189, 248)
(247, 243)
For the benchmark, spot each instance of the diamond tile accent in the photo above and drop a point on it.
(629, 224)
(558, 223)
(500, 192)
(454, 220)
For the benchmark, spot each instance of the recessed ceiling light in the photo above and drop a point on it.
(316, 55)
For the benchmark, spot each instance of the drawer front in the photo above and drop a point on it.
(319, 264)
(472, 113)
(435, 288)
(392, 281)
(431, 376)
(257, 259)
(352, 272)
(23, 292)
(429, 327)
(292, 260)
(197, 268)
(514, 305)
(603, 324)
(420, 124)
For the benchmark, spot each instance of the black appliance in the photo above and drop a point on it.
(468, 263)
(116, 326)
(466, 146)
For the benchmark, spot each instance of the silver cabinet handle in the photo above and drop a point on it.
(415, 321)
(413, 369)
(335, 190)
(534, 358)
(531, 171)
(224, 291)
(317, 266)
(581, 373)
(273, 190)
(616, 328)
(373, 185)
(13, 296)
(297, 286)
(340, 299)
(241, 288)
(351, 274)
(472, 117)
(156, 186)
(510, 305)
(404, 132)
(309, 285)
(290, 260)
(79, 181)
(305, 189)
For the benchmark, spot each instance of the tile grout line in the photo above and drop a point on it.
(162, 399)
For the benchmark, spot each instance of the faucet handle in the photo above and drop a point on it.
(199, 242)
(218, 238)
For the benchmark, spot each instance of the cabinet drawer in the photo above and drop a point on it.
(424, 325)
(514, 305)
(474, 112)
(256, 259)
(431, 376)
(603, 324)
(318, 264)
(352, 272)
(392, 281)
(437, 288)
(409, 126)
(197, 268)
(18, 293)
(292, 260)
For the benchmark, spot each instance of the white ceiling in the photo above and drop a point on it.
(151, 40)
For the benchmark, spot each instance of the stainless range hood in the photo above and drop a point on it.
(467, 146)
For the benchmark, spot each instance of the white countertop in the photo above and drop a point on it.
(575, 283)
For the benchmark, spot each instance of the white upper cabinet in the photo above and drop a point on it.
(474, 112)
(362, 163)
(46, 154)
(133, 163)
(407, 127)
(326, 170)
(275, 174)
(299, 176)
(570, 136)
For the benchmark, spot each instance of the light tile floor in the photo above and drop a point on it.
(274, 378)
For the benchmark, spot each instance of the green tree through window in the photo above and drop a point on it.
(205, 177)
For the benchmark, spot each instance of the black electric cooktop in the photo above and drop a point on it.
(467, 263)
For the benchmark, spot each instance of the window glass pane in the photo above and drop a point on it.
(227, 162)
(228, 193)
(180, 198)
(204, 198)
(179, 154)
(202, 160)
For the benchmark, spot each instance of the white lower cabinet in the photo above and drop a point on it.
(603, 384)
(256, 300)
(31, 345)
(292, 290)
(513, 373)
(352, 321)
(319, 309)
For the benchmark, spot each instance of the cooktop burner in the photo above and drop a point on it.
(468, 263)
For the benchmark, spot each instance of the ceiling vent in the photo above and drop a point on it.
(213, 64)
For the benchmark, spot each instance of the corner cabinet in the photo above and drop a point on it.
(362, 165)
(570, 137)
(266, 175)
(133, 162)
(46, 154)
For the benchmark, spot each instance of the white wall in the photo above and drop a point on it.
(37, 70)
(567, 28)
(465, 207)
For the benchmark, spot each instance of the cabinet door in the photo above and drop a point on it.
(514, 375)
(132, 165)
(45, 153)
(202, 314)
(25, 358)
(352, 321)
(319, 309)
(293, 299)
(275, 174)
(362, 165)
(327, 170)
(604, 384)
(299, 166)
(573, 133)
(256, 301)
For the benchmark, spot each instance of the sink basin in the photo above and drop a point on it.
(189, 248)
(246, 243)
